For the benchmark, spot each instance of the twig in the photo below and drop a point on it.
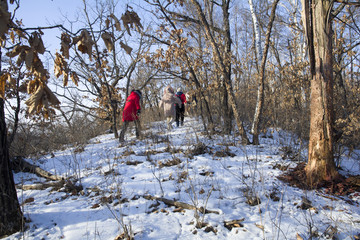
(178, 204)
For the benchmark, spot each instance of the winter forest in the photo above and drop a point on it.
(269, 148)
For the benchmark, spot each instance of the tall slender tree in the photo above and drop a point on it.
(261, 82)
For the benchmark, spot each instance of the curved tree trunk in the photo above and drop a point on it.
(320, 164)
(11, 219)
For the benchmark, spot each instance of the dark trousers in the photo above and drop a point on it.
(125, 126)
(180, 114)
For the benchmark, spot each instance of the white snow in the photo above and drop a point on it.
(116, 177)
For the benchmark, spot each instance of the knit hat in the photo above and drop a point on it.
(138, 92)
(179, 90)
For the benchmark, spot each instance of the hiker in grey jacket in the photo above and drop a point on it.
(168, 102)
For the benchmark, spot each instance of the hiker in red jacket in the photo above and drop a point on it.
(180, 109)
(131, 113)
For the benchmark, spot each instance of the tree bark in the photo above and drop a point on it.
(11, 218)
(320, 164)
(257, 34)
(227, 61)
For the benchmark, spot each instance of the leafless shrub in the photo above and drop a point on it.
(198, 149)
(170, 162)
(36, 139)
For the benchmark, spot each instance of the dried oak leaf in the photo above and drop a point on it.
(107, 38)
(3, 79)
(65, 45)
(130, 20)
(41, 99)
(117, 22)
(126, 47)
(107, 23)
(17, 50)
(29, 58)
(32, 86)
(37, 68)
(61, 68)
(36, 42)
(74, 77)
(84, 42)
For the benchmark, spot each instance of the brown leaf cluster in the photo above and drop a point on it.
(41, 100)
(84, 42)
(108, 40)
(36, 42)
(126, 47)
(61, 68)
(131, 20)
(41, 97)
(65, 45)
(117, 22)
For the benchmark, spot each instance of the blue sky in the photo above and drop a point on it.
(41, 13)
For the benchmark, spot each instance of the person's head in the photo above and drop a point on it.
(138, 92)
(169, 89)
(179, 90)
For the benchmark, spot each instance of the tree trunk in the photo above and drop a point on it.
(260, 96)
(11, 219)
(226, 111)
(222, 66)
(321, 164)
(227, 61)
(257, 34)
(114, 118)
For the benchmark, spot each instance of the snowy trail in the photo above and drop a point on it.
(222, 177)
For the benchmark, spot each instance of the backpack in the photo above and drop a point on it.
(178, 94)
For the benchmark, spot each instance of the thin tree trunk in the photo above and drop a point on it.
(257, 42)
(222, 67)
(11, 219)
(227, 61)
(260, 95)
(226, 111)
(114, 106)
(321, 164)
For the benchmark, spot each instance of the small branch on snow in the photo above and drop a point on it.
(178, 204)
(41, 186)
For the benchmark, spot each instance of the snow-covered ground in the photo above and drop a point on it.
(184, 165)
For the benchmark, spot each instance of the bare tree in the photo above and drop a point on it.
(101, 63)
(263, 56)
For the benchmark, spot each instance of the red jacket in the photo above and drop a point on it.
(131, 106)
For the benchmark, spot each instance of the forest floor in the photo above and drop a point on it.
(182, 184)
